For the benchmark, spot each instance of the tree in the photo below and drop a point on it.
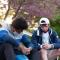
(7, 10)
(39, 8)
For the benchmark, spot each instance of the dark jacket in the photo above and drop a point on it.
(37, 38)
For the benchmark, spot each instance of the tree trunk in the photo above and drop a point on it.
(20, 4)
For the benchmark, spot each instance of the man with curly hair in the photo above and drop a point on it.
(14, 45)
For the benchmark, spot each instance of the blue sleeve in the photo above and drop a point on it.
(34, 40)
(5, 38)
(55, 37)
(56, 45)
(11, 40)
(56, 40)
(26, 40)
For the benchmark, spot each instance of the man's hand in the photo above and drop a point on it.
(46, 46)
(28, 51)
(24, 49)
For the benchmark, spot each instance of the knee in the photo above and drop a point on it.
(43, 51)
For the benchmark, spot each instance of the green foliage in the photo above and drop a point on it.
(55, 24)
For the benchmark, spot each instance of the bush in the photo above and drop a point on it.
(55, 24)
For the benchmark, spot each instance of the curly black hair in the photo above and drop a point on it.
(19, 23)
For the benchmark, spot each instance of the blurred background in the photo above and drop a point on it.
(32, 11)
